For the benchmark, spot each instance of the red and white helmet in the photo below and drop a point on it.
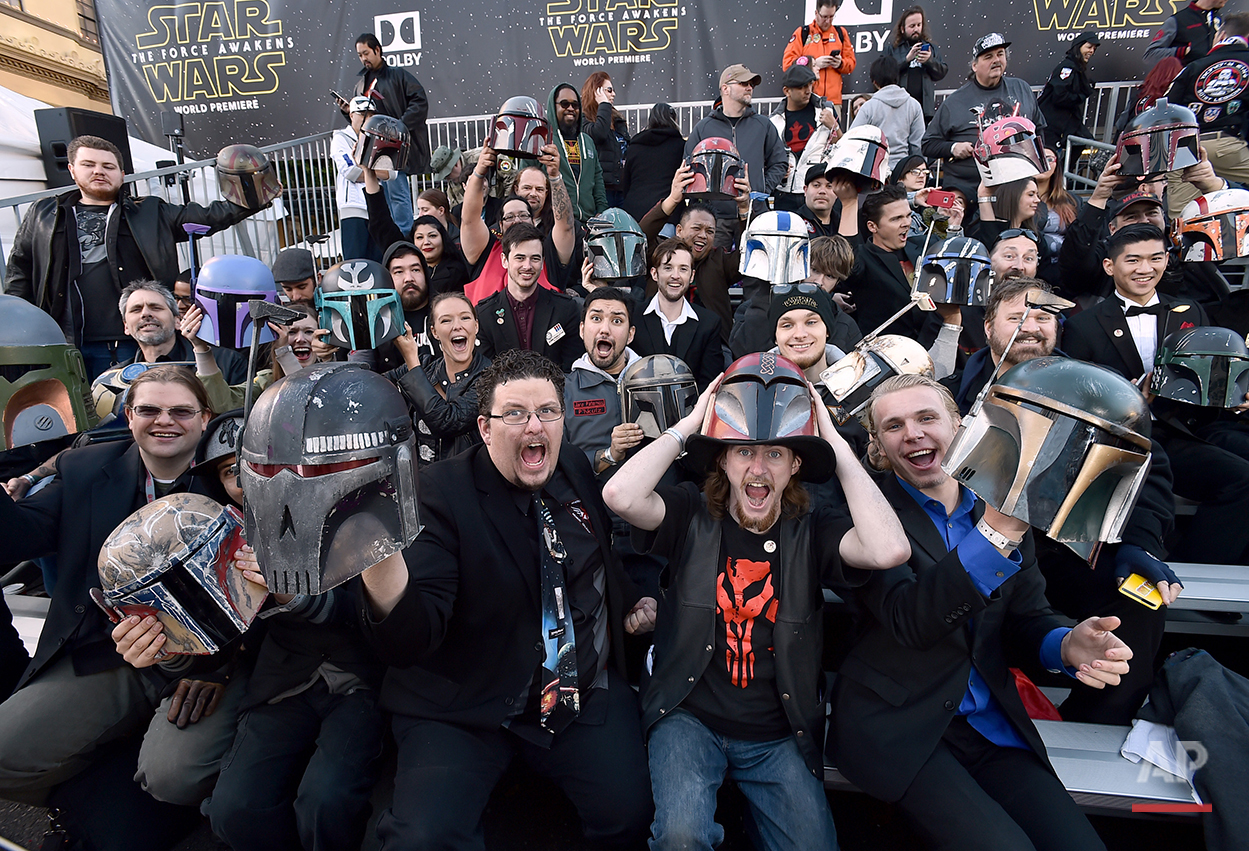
(864, 153)
(1008, 149)
(717, 165)
(1215, 227)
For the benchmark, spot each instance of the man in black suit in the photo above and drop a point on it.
(671, 325)
(504, 624)
(1124, 333)
(524, 315)
(884, 262)
(91, 683)
(925, 711)
(1073, 588)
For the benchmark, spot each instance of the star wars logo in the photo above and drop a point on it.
(611, 31)
(400, 35)
(211, 51)
(1077, 15)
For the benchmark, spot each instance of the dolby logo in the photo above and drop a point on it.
(400, 35)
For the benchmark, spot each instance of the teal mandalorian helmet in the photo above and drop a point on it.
(44, 392)
(1204, 366)
(1059, 443)
(616, 244)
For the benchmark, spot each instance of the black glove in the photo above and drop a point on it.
(1132, 559)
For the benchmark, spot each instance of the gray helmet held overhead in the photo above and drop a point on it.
(329, 474)
(656, 392)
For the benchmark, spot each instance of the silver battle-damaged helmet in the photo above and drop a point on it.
(329, 477)
(616, 244)
(776, 247)
(853, 378)
(957, 272)
(173, 558)
(656, 392)
(246, 177)
(1058, 443)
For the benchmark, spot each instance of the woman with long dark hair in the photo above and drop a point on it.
(655, 154)
(608, 129)
(447, 269)
(1013, 209)
(1064, 96)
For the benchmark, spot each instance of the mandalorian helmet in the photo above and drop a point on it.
(328, 468)
(1008, 149)
(1215, 227)
(763, 398)
(1204, 366)
(221, 439)
(112, 386)
(1162, 138)
(853, 378)
(174, 558)
(383, 143)
(359, 305)
(246, 177)
(616, 244)
(520, 128)
(864, 153)
(224, 286)
(717, 165)
(656, 392)
(44, 391)
(957, 272)
(1058, 443)
(775, 248)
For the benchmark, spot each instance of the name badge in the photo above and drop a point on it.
(554, 335)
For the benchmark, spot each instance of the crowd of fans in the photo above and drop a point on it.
(514, 340)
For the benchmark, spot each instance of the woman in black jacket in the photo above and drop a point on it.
(655, 154)
(1069, 87)
(441, 391)
(447, 270)
(608, 129)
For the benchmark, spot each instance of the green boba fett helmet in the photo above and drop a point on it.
(44, 393)
(1204, 366)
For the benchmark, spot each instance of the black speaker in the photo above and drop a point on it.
(58, 127)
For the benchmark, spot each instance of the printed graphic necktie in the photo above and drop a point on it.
(561, 701)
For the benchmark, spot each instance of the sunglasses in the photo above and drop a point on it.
(151, 412)
(804, 288)
(1011, 233)
(567, 104)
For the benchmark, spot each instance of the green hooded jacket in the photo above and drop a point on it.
(589, 197)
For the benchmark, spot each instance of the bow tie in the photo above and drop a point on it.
(1153, 310)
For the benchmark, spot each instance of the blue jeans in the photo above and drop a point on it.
(98, 357)
(688, 764)
(357, 244)
(399, 199)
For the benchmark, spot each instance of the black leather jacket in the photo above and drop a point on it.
(143, 235)
(444, 427)
(402, 96)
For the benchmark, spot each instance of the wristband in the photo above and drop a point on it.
(607, 456)
(986, 199)
(676, 435)
(994, 537)
(31, 479)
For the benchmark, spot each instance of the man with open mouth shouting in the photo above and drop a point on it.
(502, 624)
(736, 684)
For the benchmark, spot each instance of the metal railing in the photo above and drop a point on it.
(308, 209)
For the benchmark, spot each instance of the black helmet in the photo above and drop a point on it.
(329, 471)
(1205, 366)
(957, 272)
(1160, 139)
(383, 143)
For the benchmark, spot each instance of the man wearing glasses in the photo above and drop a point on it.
(758, 144)
(90, 682)
(579, 164)
(504, 626)
(149, 314)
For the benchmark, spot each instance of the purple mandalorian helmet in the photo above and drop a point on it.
(225, 285)
(328, 469)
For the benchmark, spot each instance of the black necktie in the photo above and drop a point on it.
(561, 698)
(1153, 310)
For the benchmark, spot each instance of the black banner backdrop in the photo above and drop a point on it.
(261, 70)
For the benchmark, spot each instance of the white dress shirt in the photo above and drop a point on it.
(1144, 328)
(669, 326)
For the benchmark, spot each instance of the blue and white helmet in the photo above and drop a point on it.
(775, 248)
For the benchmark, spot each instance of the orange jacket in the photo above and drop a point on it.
(820, 43)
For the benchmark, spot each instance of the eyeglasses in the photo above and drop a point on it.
(923, 169)
(517, 217)
(567, 104)
(151, 412)
(184, 299)
(804, 287)
(609, 90)
(519, 418)
(1011, 233)
(745, 85)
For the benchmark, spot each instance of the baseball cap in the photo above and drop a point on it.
(293, 264)
(739, 74)
(362, 103)
(988, 42)
(815, 172)
(799, 74)
(1116, 206)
